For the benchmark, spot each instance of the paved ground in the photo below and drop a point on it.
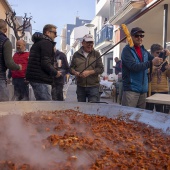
(71, 95)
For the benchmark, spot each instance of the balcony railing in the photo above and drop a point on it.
(116, 5)
(105, 34)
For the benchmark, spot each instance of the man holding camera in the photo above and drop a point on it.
(159, 77)
(135, 63)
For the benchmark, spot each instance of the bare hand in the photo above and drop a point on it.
(85, 73)
(20, 66)
(157, 61)
(9, 81)
(59, 73)
(167, 52)
(167, 67)
(76, 73)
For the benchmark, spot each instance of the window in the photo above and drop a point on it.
(25, 38)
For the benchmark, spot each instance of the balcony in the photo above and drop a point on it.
(122, 10)
(102, 8)
(104, 37)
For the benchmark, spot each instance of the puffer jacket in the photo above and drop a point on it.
(79, 62)
(134, 71)
(40, 67)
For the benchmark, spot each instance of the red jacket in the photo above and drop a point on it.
(20, 58)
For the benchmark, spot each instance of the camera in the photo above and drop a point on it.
(163, 55)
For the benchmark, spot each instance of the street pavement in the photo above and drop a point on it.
(72, 97)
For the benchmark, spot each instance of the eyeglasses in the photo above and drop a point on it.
(158, 52)
(138, 35)
(55, 33)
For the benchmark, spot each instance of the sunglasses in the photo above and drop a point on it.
(137, 36)
(55, 33)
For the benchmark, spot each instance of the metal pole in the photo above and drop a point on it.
(101, 55)
(165, 25)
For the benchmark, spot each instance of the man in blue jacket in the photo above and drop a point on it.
(135, 63)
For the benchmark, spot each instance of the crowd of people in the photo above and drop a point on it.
(44, 68)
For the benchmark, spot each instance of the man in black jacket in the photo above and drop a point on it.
(6, 61)
(40, 69)
(61, 63)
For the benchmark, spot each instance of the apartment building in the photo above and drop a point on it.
(103, 33)
(150, 15)
(101, 30)
(66, 32)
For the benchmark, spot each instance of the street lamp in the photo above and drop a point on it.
(90, 26)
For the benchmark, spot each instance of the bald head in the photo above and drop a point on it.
(21, 46)
(3, 26)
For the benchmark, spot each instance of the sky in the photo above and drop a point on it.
(57, 12)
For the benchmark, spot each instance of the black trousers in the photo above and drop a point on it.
(21, 89)
(57, 92)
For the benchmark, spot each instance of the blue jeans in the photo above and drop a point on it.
(41, 91)
(90, 93)
(4, 92)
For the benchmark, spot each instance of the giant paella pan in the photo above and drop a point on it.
(71, 136)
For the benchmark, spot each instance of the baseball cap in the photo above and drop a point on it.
(88, 37)
(136, 30)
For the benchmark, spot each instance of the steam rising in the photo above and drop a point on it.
(19, 140)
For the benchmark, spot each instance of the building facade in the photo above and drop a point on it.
(150, 15)
(6, 8)
(66, 32)
(103, 33)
